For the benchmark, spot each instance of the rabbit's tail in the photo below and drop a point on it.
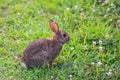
(23, 65)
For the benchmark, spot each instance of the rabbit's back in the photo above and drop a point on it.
(41, 52)
(36, 47)
(36, 54)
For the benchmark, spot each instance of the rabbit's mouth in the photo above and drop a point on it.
(68, 39)
(65, 41)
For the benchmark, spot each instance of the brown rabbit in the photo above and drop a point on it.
(44, 51)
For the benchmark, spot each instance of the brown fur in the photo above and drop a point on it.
(44, 51)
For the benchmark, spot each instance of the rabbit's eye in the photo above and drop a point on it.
(64, 35)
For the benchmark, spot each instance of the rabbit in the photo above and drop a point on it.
(44, 51)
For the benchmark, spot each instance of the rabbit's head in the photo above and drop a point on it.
(59, 35)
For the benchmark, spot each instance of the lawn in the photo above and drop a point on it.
(93, 53)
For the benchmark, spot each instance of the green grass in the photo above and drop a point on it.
(24, 21)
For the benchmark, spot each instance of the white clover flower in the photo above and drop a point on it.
(75, 66)
(92, 63)
(17, 41)
(82, 14)
(67, 9)
(75, 7)
(99, 64)
(110, 70)
(103, 4)
(99, 1)
(82, 9)
(118, 20)
(93, 6)
(110, 20)
(11, 77)
(72, 48)
(85, 47)
(94, 43)
(52, 77)
(18, 13)
(100, 48)
(109, 73)
(112, 5)
(106, 1)
(5, 28)
(100, 13)
(56, 16)
(75, 20)
(57, 78)
(108, 9)
(105, 16)
(100, 41)
(30, 31)
(64, 18)
(107, 36)
(16, 58)
(71, 77)
(93, 10)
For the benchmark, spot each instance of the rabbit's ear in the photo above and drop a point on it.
(54, 26)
